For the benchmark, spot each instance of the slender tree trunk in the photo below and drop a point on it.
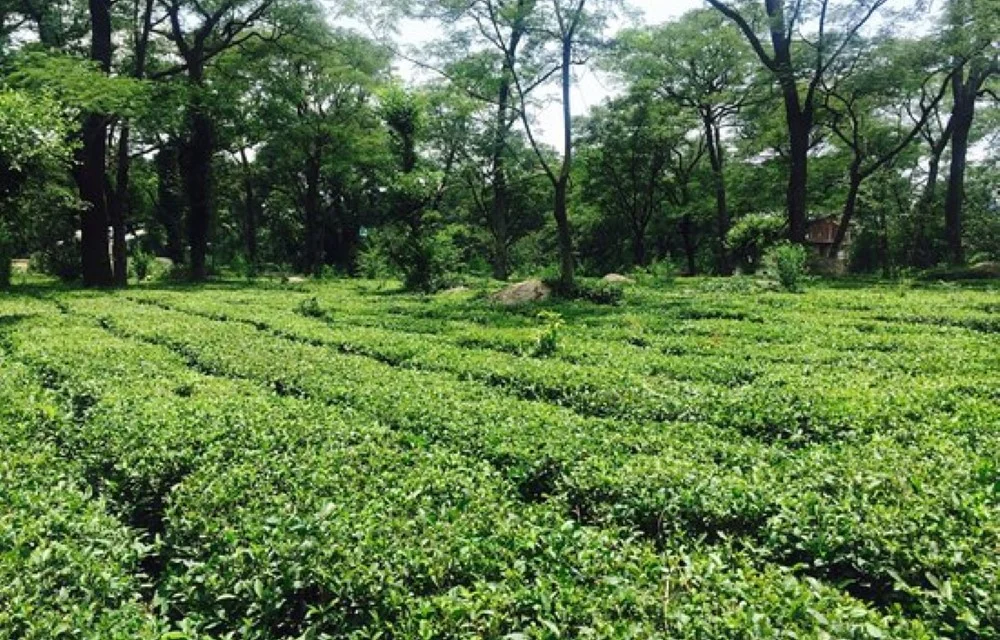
(119, 247)
(498, 211)
(922, 254)
(250, 213)
(118, 207)
(197, 168)
(722, 221)
(313, 227)
(850, 206)
(169, 209)
(687, 236)
(639, 246)
(962, 116)
(567, 264)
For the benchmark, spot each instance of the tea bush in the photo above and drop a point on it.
(704, 462)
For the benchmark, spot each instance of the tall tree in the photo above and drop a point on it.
(141, 19)
(90, 173)
(488, 41)
(201, 31)
(573, 29)
(628, 150)
(858, 104)
(703, 64)
(972, 27)
(799, 66)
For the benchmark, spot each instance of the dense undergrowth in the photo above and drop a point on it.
(332, 460)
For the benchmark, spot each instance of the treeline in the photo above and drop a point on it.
(262, 135)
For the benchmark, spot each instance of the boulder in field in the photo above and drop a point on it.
(617, 278)
(522, 292)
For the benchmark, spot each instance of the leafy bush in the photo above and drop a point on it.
(142, 264)
(658, 273)
(547, 342)
(788, 264)
(311, 308)
(596, 291)
(810, 466)
(751, 237)
(61, 260)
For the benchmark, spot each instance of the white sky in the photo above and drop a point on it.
(589, 88)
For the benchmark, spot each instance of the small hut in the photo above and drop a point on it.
(820, 235)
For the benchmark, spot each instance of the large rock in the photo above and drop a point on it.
(522, 293)
(987, 269)
(617, 278)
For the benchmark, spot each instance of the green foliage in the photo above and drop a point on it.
(788, 264)
(61, 259)
(595, 291)
(78, 85)
(142, 263)
(547, 343)
(659, 273)
(409, 469)
(311, 308)
(752, 236)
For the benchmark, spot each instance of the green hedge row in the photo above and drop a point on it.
(314, 521)
(920, 538)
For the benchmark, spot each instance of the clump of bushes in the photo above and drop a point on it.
(752, 236)
(142, 264)
(547, 343)
(311, 308)
(787, 262)
(596, 291)
(660, 272)
(61, 259)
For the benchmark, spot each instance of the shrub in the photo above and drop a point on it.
(660, 272)
(751, 236)
(142, 264)
(311, 308)
(788, 263)
(598, 292)
(61, 260)
(548, 340)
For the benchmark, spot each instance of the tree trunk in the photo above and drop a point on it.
(169, 201)
(498, 211)
(567, 265)
(197, 167)
(119, 202)
(798, 179)
(717, 160)
(95, 259)
(850, 206)
(119, 248)
(922, 253)
(312, 205)
(962, 116)
(90, 176)
(250, 213)
(639, 247)
(687, 236)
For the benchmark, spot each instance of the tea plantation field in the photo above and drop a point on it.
(334, 460)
